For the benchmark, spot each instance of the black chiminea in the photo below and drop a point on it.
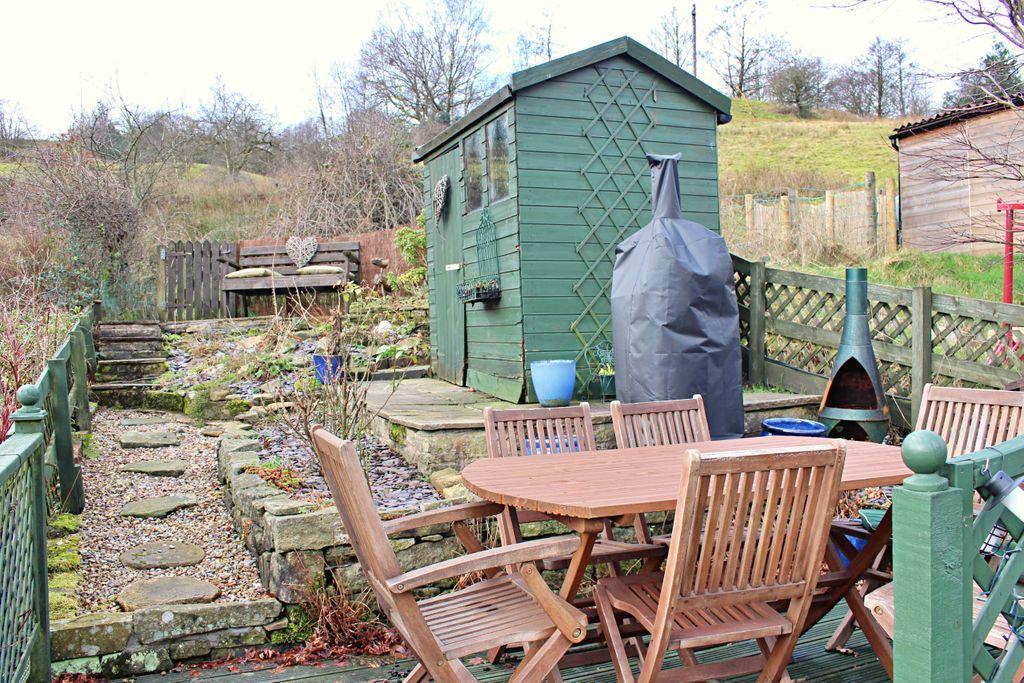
(854, 406)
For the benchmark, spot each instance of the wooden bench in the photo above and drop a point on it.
(343, 255)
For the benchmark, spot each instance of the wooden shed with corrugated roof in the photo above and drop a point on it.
(528, 195)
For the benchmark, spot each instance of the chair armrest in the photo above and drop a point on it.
(448, 515)
(230, 261)
(487, 559)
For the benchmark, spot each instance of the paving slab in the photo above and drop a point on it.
(162, 555)
(148, 439)
(161, 506)
(145, 421)
(157, 468)
(166, 590)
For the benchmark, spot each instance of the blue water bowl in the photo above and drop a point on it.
(858, 545)
(791, 426)
(328, 367)
(553, 381)
(562, 445)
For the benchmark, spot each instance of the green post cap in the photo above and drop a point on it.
(924, 452)
(28, 395)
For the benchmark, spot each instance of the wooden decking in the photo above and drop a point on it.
(811, 662)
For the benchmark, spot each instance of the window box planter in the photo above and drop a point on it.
(471, 292)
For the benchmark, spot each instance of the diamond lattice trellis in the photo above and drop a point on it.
(18, 622)
(621, 121)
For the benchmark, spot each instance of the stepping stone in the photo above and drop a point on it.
(162, 555)
(166, 590)
(160, 506)
(144, 421)
(157, 468)
(148, 439)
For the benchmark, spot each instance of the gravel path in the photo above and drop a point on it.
(105, 534)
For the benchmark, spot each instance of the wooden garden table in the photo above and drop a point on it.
(584, 490)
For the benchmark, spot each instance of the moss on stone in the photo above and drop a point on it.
(63, 582)
(63, 524)
(62, 554)
(237, 406)
(397, 433)
(162, 400)
(62, 606)
(298, 630)
(196, 406)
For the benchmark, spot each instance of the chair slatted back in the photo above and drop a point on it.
(534, 431)
(753, 523)
(971, 419)
(660, 423)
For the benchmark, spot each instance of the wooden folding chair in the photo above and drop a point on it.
(533, 431)
(514, 607)
(749, 532)
(659, 423)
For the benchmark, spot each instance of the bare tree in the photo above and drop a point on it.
(428, 69)
(671, 38)
(236, 129)
(742, 56)
(536, 44)
(799, 81)
(14, 129)
(883, 82)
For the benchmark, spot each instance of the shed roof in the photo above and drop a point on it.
(577, 60)
(949, 117)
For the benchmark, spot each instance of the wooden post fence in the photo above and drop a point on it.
(871, 201)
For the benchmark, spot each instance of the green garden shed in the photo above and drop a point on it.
(528, 195)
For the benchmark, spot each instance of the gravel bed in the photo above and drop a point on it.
(394, 483)
(105, 534)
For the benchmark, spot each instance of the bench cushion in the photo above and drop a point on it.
(252, 272)
(319, 270)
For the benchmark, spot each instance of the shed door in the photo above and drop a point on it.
(451, 313)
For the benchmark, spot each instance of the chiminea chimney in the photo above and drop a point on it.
(854, 406)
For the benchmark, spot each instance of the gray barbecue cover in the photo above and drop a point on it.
(675, 323)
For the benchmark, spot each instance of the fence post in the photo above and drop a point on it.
(872, 208)
(748, 213)
(921, 347)
(72, 497)
(891, 236)
(28, 419)
(80, 383)
(787, 222)
(932, 580)
(755, 349)
(830, 216)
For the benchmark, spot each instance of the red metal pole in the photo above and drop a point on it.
(1008, 259)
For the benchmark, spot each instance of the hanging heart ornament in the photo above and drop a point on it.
(440, 196)
(301, 250)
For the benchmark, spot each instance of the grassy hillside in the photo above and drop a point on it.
(764, 149)
(975, 277)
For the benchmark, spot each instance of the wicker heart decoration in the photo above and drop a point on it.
(301, 250)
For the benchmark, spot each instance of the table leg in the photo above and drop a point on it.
(846, 589)
(578, 566)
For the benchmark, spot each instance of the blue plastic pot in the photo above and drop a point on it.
(553, 381)
(328, 367)
(858, 545)
(791, 426)
(563, 445)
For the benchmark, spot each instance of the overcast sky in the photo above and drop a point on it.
(62, 56)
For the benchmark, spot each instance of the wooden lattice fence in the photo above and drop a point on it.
(191, 279)
(791, 323)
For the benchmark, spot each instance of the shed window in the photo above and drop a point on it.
(497, 158)
(473, 170)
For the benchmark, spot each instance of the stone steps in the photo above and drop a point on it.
(130, 368)
(131, 357)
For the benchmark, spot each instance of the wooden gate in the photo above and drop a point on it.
(192, 279)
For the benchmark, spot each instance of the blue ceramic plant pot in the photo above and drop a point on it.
(328, 367)
(553, 381)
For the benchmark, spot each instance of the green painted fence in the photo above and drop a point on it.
(38, 475)
(937, 537)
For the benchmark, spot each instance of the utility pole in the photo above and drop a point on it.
(693, 18)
